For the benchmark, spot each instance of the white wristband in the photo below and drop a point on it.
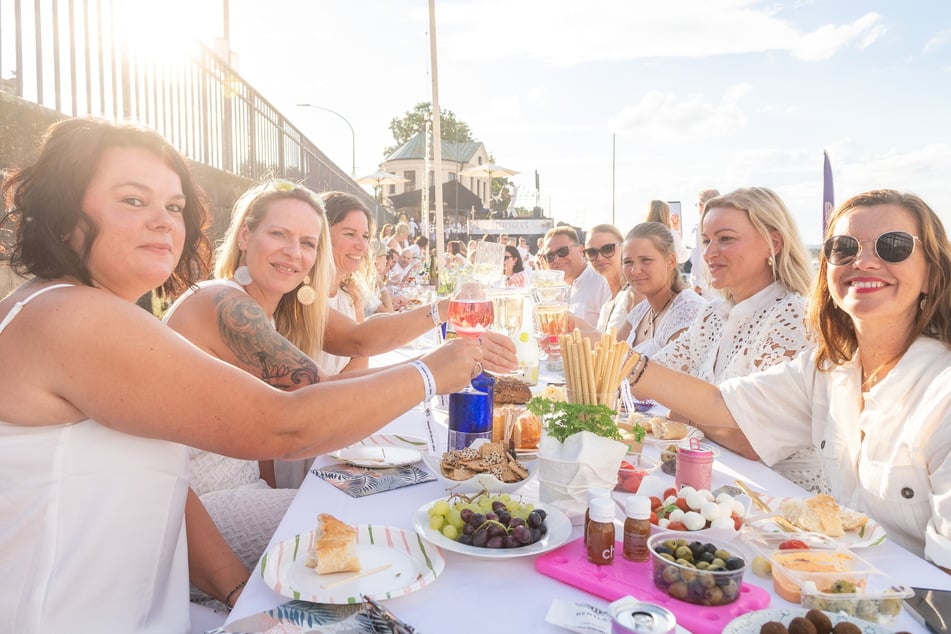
(434, 313)
(429, 381)
(429, 384)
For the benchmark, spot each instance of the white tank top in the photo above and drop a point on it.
(92, 531)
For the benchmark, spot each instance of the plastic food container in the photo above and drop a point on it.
(830, 577)
(685, 581)
(633, 469)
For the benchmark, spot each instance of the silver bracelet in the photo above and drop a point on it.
(434, 313)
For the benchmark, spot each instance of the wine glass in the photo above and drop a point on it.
(488, 263)
(509, 306)
(470, 310)
(551, 319)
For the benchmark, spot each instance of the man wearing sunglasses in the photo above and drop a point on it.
(589, 291)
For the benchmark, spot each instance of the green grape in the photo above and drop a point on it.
(436, 522)
(454, 518)
(440, 508)
(450, 531)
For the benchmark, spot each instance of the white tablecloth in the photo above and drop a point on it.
(476, 595)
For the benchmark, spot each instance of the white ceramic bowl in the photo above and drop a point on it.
(479, 481)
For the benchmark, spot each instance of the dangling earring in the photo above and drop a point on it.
(770, 261)
(923, 302)
(306, 294)
(241, 274)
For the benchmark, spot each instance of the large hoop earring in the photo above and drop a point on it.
(242, 275)
(306, 294)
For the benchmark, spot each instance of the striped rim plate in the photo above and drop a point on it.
(411, 561)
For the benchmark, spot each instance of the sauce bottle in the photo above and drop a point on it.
(593, 494)
(601, 532)
(637, 528)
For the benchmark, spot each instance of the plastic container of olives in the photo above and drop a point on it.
(830, 577)
(705, 577)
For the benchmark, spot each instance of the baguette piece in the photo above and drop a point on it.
(335, 549)
(664, 429)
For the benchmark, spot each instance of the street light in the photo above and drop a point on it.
(353, 137)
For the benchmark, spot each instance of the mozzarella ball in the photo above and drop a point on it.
(710, 511)
(695, 500)
(694, 521)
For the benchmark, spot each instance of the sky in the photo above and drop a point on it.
(617, 102)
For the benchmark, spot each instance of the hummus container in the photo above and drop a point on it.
(830, 577)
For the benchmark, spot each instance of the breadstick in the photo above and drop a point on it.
(629, 365)
(589, 373)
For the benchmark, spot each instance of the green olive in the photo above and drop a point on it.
(671, 574)
(678, 590)
(713, 596)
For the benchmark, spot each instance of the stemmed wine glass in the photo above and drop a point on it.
(470, 312)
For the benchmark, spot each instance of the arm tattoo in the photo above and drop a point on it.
(258, 347)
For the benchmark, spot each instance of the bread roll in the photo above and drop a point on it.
(509, 389)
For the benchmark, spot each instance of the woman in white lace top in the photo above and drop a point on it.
(649, 264)
(756, 258)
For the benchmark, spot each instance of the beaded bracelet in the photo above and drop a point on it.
(640, 372)
(231, 594)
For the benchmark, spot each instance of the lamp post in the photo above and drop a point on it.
(353, 137)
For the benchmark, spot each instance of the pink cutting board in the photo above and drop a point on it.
(569, 564)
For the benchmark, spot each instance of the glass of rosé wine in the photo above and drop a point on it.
(470, 310)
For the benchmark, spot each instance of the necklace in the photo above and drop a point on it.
(872, 380)
(652, 316)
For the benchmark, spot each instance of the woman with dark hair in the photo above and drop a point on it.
(514, 269)
(101, 400)
(874, 392)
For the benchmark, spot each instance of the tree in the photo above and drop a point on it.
(414, 121)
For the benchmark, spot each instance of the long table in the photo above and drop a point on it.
(477, 595)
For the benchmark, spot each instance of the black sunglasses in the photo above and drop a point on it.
(606, 251)
(893, 246)
(561, 253)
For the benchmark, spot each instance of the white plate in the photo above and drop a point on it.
(651, 439)
(752, 621)
(872, 534)
(382, 450)
(479, 481)
(559, 530)
(413, 564)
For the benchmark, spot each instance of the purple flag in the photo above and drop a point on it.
(828, 197)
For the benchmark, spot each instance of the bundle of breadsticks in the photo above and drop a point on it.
(593, 375)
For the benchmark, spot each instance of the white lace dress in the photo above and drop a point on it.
(731, 340)
(682, 313)
(244, 507)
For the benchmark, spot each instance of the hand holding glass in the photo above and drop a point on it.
(470, 311)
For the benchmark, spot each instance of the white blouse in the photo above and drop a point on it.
(732, 340)
(891, 460)
(728, 340)
(682, 314)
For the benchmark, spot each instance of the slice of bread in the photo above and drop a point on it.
(664, 429)
(822, 514)
(335, 549)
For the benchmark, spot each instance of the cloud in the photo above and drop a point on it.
(936, 41)
(568, 34)
(829, 39)
(665, 116)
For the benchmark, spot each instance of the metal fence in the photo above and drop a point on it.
(71, 56)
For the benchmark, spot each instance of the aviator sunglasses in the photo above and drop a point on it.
(893, 246)
(561, 253)
(605, 251)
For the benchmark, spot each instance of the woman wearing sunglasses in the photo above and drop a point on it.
(602, 251)
(516, 276)
(758, 262)
(874, 392)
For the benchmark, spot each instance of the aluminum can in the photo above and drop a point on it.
(630, 616)
(470, 418)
